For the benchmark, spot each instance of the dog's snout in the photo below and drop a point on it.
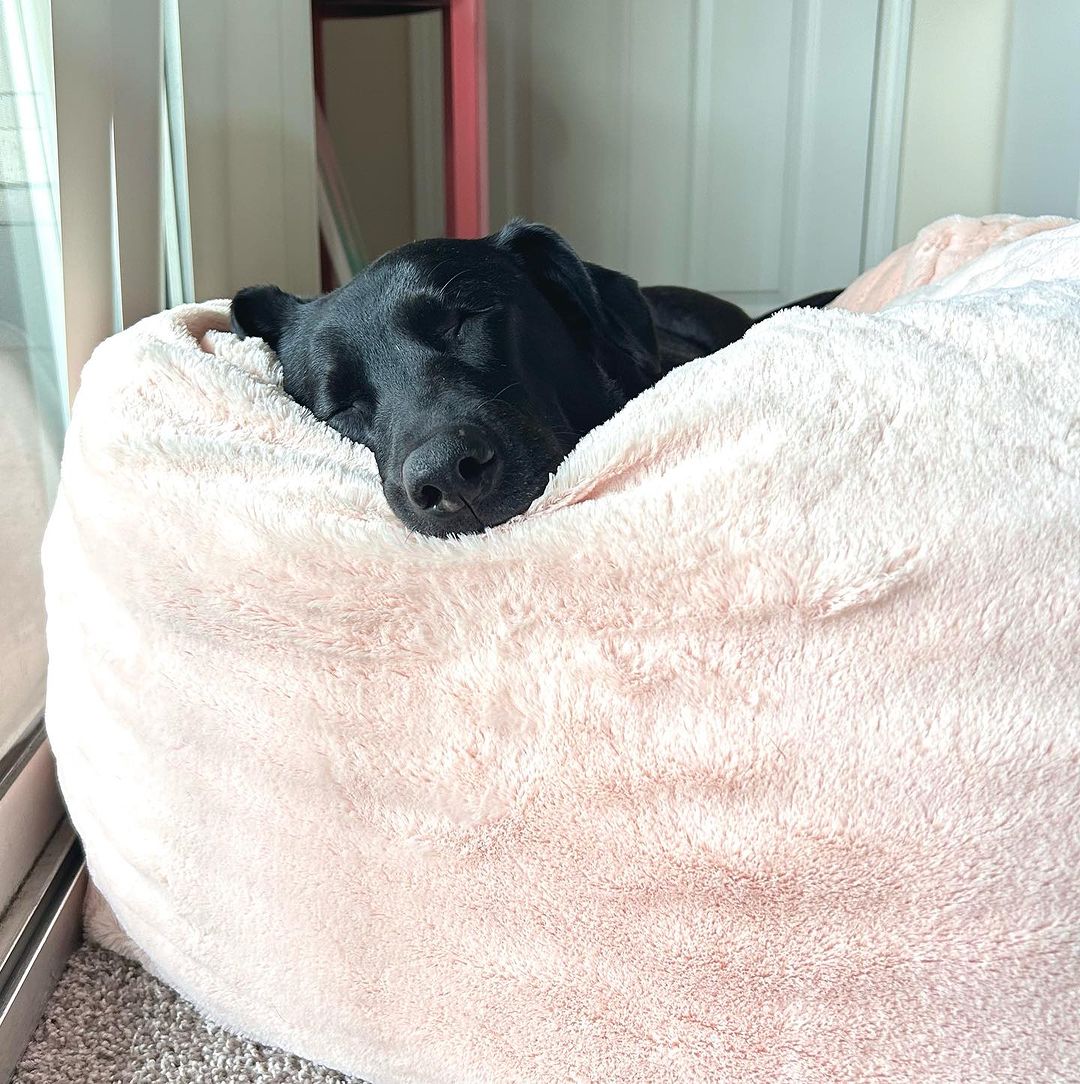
(450, 470)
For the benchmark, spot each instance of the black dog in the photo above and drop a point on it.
(471, 368)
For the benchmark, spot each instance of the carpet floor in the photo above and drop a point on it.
(109, 1022)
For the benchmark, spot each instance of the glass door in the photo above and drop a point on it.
(33, 392)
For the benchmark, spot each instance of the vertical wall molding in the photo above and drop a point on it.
(250, 137)
(804, 68)
(893, 55)
(82, 48)
(830, 123)
(136, 103)
(509, 108)
(426, 123)
(701, 121)
(622, 65)
(296, 132)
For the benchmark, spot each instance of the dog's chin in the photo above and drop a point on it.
(496, 508)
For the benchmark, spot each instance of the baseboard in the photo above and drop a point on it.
(38, 932)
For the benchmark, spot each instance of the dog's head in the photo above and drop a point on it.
(469, 367)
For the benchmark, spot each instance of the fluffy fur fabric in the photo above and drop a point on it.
(937, 251)
(749, 754)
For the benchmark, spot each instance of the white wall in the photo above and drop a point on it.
(991, 121)
(676, 156)
(957, 77)
(992, 118)
(720, 144)
(1040, 169)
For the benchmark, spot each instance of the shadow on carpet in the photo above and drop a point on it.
(109, 1022)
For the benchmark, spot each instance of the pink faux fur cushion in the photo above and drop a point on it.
(938, 249)
(749, 754)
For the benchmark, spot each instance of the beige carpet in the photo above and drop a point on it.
(109, 1022)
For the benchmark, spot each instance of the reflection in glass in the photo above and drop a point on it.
(33, 394)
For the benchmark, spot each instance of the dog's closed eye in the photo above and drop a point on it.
(437, 322)
(430, 319)
(465, 319)
(352, 421)
(358, 406)
(454, 323)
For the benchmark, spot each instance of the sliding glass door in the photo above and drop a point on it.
(144, 160)
(33, 389)
(34, 842)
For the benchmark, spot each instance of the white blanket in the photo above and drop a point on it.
(750, 753)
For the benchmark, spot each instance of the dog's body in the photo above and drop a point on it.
(472, 367)
(691, 324)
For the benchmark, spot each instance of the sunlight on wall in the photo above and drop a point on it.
(951, 156)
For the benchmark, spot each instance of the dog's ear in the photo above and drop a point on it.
(264, 312)
(309, 371)
(630, 320)
(604, 310)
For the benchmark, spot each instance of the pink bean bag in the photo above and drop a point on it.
(750, 753)
(938, 250)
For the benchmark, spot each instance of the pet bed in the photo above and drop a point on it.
(749, 753)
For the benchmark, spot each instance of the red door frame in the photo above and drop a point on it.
(464, 97)
(465, 118)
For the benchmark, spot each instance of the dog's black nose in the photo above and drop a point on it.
(450, 470)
